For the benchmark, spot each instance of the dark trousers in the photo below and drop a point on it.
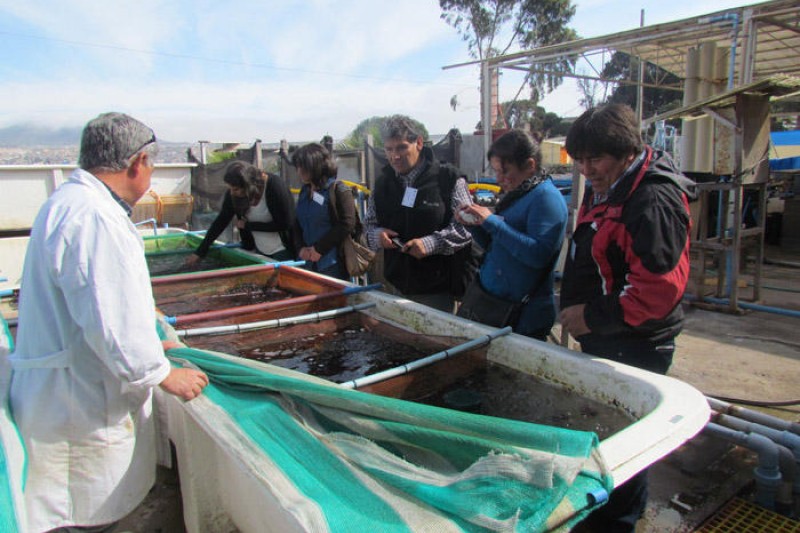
(627, 502)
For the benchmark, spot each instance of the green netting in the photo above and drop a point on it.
(8, 514)
(362, 458)
(172, 242)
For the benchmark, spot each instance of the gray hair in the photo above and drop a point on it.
(400, 127)
(110, 141)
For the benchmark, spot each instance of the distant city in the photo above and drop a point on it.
(68, 155)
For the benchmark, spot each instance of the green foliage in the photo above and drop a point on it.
(522, 114)
(530, 24)
(219, 157)
(372, 126)
(623, 66)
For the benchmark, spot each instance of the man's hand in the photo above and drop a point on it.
(185, 383)
(415, 248)
(385, 238)
(572, 320)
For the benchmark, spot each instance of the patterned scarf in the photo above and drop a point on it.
(508, 199)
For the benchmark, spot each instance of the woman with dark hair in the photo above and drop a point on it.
(264, 211)
(319, 229)
(521, 239)
(628, 265)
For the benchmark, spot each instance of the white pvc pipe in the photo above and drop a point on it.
(419, 363)
(274, 323)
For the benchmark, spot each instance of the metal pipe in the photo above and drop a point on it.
(734, 35)
(746, 305)
(419, 363)
(274, 323)
(753, 416)
(767, 473)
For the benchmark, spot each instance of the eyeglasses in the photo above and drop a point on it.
(148, 142)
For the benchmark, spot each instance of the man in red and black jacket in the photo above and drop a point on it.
(628, 262)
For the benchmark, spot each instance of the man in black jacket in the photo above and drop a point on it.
(628, 263)
(410, 216)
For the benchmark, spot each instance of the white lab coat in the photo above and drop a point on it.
(86, 361)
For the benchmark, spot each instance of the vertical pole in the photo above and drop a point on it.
(486, 110)
(750, 40)
(576, 197)
(204, 152)
(258, 157)
(284, 171)
(640, 85)
(369, 176)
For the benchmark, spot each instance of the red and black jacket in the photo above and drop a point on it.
(629, 256)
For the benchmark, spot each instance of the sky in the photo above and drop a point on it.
(237, 71)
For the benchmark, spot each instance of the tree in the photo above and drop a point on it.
(525, 114)
(372, 126)
(524, 23)
(623, 66)
(588, 89)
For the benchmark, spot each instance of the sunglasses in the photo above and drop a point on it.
(148, 142)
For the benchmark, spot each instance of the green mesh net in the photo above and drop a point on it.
(376, 463)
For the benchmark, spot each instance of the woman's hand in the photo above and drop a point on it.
(309, 253)
(241, 222)
(192, 260)
(472, 214)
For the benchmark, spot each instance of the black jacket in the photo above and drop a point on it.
(432, 211)
(629, 256)
(281, 206)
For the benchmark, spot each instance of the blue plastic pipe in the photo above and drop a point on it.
(746, 305)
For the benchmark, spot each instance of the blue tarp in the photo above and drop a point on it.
(785, 163)
(785, 138)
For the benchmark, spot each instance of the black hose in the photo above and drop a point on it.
(756, 403)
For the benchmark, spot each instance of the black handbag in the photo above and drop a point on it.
(483, 307)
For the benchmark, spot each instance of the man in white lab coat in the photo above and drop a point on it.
(88, 355)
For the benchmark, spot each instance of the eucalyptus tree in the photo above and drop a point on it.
(493, 28)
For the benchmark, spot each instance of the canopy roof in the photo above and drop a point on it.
(775, 86)
(767, 41)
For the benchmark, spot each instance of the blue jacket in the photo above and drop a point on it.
(520, 243)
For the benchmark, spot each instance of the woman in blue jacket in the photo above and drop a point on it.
(319, 229)
(523, 237)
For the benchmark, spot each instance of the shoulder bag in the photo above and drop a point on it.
(353, 249)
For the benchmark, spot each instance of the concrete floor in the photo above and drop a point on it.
(753, 355)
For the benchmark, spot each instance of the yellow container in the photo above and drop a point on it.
(176, 209)
(149, 206)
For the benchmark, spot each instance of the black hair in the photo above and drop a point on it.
(608, 129)
(317, 161)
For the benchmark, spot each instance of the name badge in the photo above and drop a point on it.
(409, 197)
(317, 197)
